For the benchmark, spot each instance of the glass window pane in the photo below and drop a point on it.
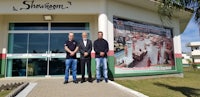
(78, 36)
(18, 67)
(70, 26)
(17, 43)
(28, 26)
(57, 41)
(38, 43)
(37, 67)
(57, 66)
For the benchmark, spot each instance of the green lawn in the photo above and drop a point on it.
(189, 86)
(4, 93)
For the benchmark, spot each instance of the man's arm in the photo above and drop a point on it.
(90, 47)
(67, 49)
(80, 48)
(76, 50)
(96, 49)
(107, 47)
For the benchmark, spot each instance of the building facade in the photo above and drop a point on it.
(32, 34)
(185, 60)
(195, 53)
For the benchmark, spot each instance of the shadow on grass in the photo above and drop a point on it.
(187, 91)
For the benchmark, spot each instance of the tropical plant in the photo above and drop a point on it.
(167, 7)
(191, 64)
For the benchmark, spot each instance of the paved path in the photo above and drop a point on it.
(54, 87)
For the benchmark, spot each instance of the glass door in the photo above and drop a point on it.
(37, 49)
(57, 53)
(46, 55)
(38, 54)
(28, 54)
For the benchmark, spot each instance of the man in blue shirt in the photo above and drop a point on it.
(101, 48)
(71, 48)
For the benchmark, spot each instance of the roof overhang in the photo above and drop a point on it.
(193, 44)
(184, 16)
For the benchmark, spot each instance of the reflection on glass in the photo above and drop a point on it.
(28, 26)
(57, 66)
(18, 67)
(57, 41)
(38, 43)
(70, 26)
(37, 67)
(17, 43)
(78, 36)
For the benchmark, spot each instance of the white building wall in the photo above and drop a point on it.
(39, 18)
(3, 34)
(1, 23)
(76, 7)
(185, 59)
(91, 9)
(135, 13)
(196, 60)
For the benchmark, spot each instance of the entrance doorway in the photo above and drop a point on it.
(37, 49)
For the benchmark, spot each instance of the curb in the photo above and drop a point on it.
(135, 93)
(17, 90)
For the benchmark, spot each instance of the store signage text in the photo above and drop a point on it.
(32, 4)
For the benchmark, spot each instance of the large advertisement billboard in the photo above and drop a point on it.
(142, 47)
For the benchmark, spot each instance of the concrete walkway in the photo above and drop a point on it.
(54, 87)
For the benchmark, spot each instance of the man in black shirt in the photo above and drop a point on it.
(101, 48)
(71, 48)
(85, 48)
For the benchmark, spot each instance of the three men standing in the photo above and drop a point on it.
(85, 47)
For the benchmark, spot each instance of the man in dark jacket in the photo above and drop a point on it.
(85, 48)
(101, 48)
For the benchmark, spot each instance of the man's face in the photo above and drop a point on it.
(100, 35)
(71, 36)
(84, 35)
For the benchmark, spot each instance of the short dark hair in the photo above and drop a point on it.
(100, 32)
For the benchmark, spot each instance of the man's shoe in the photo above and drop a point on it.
(82, 81)
(65, 82)
(98, 80)
(76, 82)
(90, 80)
(106, 80)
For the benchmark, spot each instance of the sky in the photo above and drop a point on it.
(190, 34)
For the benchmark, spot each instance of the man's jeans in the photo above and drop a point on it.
(70, 63)
(101, 62)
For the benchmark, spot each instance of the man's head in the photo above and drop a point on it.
(84, 35)
(71, 36)
(100, 35)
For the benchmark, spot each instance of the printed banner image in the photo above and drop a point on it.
(142, 47)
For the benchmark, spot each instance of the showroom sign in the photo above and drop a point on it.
(32, 4)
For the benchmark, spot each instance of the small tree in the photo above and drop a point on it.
(191, 64)
(167, 8)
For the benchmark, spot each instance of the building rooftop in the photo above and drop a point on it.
(193, 44)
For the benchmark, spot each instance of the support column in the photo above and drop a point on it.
(103, 25)
(3, 61)
(103, 19)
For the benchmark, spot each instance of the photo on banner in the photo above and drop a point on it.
(142, 47)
